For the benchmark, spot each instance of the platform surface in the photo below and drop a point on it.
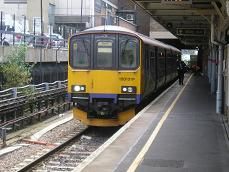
(191, 138)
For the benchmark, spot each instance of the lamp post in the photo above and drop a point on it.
(41, 17)
(24, 17)
(42, 78)
(1, 27)
(81, 12)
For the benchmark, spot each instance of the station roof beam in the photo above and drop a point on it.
(188, 16)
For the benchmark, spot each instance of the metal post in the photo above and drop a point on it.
(3, 136)
(41, 17)
(14, 90)
(219, 95)
(46, 86)
(81, 12)
(42, 78)
(1, 27)
(209, 64)
(34, 31)
(213, 63)
(57, 63)
(59, 84)
(14, 29)
(50, 40)
(24, 28)
(56, 66)
(64, 34)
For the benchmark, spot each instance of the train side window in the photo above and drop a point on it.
(80, 52)
(127, 52)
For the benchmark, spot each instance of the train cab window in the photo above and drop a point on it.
(80, 52)
(104, 49)
(104, 54)
(128, 52)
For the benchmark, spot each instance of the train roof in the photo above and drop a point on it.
(144, 38)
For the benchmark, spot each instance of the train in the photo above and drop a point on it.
(112, 69)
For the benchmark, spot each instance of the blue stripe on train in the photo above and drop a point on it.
(112, 96)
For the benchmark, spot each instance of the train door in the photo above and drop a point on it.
(153, 68)
(103, 78)
(146, 80)
(168, 66)
(160, 67)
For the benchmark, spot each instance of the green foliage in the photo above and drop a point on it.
(15, 71)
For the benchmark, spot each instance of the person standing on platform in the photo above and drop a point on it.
(181, 68)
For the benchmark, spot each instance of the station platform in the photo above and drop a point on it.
(178, 132)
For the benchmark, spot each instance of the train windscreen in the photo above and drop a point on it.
(127, 52)
(104, 51)
(80, 52)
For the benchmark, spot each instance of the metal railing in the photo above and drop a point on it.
(31, 102)
(18, 92)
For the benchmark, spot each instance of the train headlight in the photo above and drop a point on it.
(128, 89)
(124, 89)
(78, 88)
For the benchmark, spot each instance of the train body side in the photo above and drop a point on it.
(158, 68)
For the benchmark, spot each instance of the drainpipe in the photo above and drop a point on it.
(219, 92)
(210, 65)
(213, 69)
(213, 57)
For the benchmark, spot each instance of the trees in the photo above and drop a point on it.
(15, 71)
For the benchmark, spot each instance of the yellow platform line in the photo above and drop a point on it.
(149, 142)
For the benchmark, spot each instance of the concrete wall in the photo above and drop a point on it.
(142, 18)
(34, 10)
(34, 55)
(73, 7)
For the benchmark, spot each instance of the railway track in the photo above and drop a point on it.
(70, 153)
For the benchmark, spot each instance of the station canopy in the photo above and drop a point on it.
(189, 20)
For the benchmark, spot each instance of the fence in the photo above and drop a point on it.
(18, 92)
(22, 105)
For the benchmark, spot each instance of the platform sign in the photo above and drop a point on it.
(176, 2)
(190, 32)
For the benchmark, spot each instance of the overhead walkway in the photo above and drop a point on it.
(178, 132)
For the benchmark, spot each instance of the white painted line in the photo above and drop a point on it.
(96, 153)
(9, 149)
(37, 135)
(146, 147)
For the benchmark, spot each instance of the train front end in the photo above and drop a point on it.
(104, 77)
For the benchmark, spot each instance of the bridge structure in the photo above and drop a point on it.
(37, 55)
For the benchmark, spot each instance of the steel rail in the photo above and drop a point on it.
(51, 152)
